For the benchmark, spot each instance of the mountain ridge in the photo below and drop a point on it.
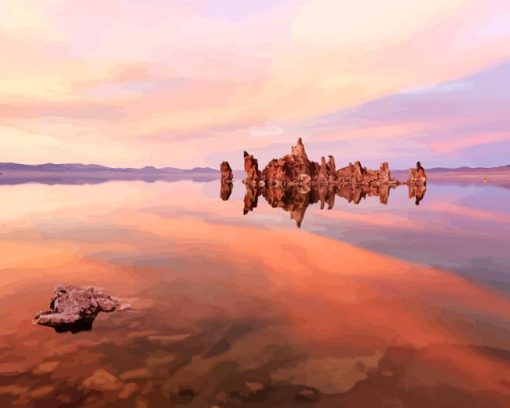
(91, 168)
(94, 168)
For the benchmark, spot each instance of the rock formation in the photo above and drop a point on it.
(417, 176)
(292, 169)
(293, 182)
(251, 168)
(74, 309)
(226, 180)
(296, 169)
(226, 172)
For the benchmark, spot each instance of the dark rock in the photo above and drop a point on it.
(74, 309)
(218, 348)
(186, 391)
(183, 394)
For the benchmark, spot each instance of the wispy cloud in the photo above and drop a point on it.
(177, 82)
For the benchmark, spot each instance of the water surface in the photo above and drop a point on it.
(364, 305)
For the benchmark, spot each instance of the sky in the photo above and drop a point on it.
(193, 82)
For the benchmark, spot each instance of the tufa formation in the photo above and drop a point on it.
(226, 180)
(293, 182)
(226, 172)
(74, 309)
(296, 169)
(417, 176)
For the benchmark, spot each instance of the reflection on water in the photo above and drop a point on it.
(226, 190)
(366, 305)
(417, 192)
(296, 199)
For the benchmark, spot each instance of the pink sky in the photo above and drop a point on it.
(189, 83)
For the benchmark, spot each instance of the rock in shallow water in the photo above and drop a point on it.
(102, 380)
(74, 309)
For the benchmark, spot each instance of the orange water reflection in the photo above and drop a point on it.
(217, 305)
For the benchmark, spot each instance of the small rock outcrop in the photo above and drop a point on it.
(226, 172)
(251, 168)
(417, 176)
(74, 309)
(226, 180)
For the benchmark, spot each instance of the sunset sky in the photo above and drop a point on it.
(193, 82)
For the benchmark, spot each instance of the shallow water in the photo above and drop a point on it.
(365, 305)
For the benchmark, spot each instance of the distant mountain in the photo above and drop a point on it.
(77, 173)
(95, 168)
(464, 169)
(468, 169)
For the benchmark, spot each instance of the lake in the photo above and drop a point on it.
(383, 303)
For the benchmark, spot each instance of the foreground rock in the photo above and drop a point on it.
(74, 309)
(296, 169)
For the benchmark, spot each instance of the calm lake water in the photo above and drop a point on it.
(367, 305)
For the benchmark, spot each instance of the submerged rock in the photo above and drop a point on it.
(250, 392)
(128, 391)
(74, 309)
(183, 394)
(46, 368)
(102, 380)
